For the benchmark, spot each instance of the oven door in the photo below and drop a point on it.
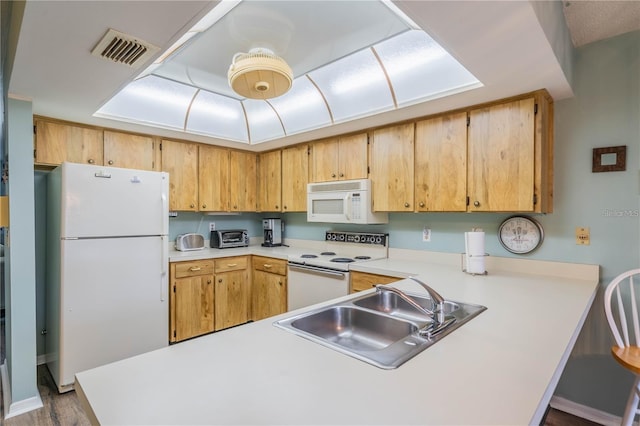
(308, 285)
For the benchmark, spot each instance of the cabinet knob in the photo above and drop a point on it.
(235, 207)
(280, 282)
(476, 203)
(195, 268)
(341, 174)
(284, 207)
(277, 206)
(333, 175)
(91, 161)
(208, 281)
(110, 162)
(204, 206)
(421, 204)
(406, 204)
(192, 205)
(267, 266)
(220, 280)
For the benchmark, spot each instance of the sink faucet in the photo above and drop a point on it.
(437, 313)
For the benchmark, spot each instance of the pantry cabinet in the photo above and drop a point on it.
(232, 291)
(191, 300)
(129, 151)
(295, 177)
(56, 142)
(360, 281)
(441, 163)
(268, 287)
(243, 181)
(339, 158)
(502, 157)
(392, 168)
(180, 160)
(270, 181)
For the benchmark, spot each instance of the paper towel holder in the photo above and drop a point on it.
(463, 255)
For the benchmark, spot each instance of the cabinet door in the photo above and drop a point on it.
(243, 181)
(441, 164)
(232, 299)
(324, 160)
(501, 157)
(193, 306)
(361, 281)
(268, 295)
(352, 157)
(213, 178)
(392, 168)
(180, 160)
(129, 151)
(57, 142)
(269, 181)
(295, 176)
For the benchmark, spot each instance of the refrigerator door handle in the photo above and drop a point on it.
(165, 214)
(164, 282)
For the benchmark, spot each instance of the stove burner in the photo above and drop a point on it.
(342, 260)
(308, 256)
(362, 257)
(327, 253)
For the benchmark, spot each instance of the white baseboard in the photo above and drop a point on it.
(585, 412)
(19, 407)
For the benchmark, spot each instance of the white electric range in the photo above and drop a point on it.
(321, 275)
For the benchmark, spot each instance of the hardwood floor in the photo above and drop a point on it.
(58, 409)
(65, 410)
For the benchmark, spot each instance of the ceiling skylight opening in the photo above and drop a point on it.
(400, 14)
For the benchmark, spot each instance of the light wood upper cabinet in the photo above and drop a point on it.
(129, 151)
(270, 181)
(392, 168)
(441, 164)
(243, 181)
(295, 176)
(180, 160)
(502, 157)
(213, 178)
(339, 158)
(59, 142)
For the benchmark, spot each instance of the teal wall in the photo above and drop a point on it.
(605, 111)
(20, 256)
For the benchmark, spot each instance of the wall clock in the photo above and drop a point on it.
(520, 234)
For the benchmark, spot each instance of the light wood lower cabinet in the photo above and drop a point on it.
(232, 291)
(268, 287)
(208, 295)
(191, 299)
(361, 281)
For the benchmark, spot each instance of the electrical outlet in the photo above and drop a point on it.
(212, 226)
(426, 234)
(583, 236)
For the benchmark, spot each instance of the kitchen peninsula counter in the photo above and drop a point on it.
(500, 368)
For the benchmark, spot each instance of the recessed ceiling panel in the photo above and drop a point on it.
(354, 86)
(419, 69)
(216, 115)
(302, 108)
(306, 34)
(264, 123)
(151, 100)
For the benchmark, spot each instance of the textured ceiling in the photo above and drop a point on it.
(590, 21)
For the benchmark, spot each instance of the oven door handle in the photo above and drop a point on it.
(316, 269)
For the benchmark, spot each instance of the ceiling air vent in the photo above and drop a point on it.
(125, 49)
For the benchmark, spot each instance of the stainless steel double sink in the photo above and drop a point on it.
(379, 328)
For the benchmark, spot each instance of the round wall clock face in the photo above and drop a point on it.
(520, 234)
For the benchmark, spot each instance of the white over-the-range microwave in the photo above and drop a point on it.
(347, 201)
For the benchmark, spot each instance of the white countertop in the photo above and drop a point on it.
(500, 368)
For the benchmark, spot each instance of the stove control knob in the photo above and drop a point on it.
(356, 238)
(378, 240)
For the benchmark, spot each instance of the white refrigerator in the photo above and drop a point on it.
(107, 267)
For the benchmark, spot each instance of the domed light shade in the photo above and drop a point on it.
(259, 74)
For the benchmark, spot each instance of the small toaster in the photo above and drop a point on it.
(186, 242)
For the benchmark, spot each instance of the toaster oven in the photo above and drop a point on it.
(229, 238)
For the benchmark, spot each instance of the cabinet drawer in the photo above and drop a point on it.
(361, 281)
(193, 268)
(227, 264)
(270, 264)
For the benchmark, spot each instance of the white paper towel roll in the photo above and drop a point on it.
(475, 252)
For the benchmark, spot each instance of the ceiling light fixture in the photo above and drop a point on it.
(259, 74)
